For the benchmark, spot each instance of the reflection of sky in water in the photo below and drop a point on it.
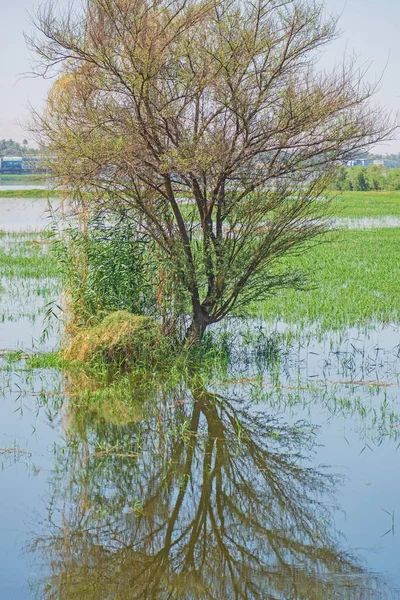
(23, 482)
(9, 186)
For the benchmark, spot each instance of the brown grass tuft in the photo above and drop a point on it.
(121, 337)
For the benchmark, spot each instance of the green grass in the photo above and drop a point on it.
(355, 277)
(27, 178)
(366, 204)
(349, 205)
(28, 193)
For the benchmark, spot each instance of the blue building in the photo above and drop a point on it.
(22, 164)
(11, 164)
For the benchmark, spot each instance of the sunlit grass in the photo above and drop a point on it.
(366, 204)
(354, 278)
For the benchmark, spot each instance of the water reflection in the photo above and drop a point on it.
(202, 498)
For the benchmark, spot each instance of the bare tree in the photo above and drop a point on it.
(209, 123)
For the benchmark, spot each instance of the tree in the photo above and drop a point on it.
(209, 124)
(358, 179)
(10, 147)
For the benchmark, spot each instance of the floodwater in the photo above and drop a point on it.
(26, 214)
(33, 214)
(20, 183)
(7, 186)
(277, 478)
(367, 222)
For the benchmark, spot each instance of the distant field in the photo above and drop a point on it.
(356, 279)
(366, 204)
(28, 193)
(345, 205)
(29, 178)
(357, 204)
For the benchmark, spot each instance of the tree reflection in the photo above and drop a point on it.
(204, 499)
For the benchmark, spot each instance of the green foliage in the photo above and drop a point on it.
(10, 147)
(362, 179)
(105, 268)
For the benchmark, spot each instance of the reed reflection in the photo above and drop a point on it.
(203, 498)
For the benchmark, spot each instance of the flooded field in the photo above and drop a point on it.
(274, 476)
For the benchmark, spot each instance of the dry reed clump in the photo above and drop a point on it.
(120, 338)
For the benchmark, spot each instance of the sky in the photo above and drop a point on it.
(369, 30)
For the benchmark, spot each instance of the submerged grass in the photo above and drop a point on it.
(354, 279)
(26, 256)
(29, 276)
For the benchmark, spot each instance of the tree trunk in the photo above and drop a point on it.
(195, 331)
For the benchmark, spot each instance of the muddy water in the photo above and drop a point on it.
(274, 478)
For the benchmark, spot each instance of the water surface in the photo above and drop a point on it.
(275, 477)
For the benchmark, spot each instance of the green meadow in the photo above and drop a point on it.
(366, 204)
(353, 277)
(21, 179)
(354, 205)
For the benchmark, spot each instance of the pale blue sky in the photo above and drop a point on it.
(370, 29)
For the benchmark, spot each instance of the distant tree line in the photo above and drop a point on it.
(363, 179)
(13, 148)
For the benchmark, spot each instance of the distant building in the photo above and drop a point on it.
(22, 164)
(366, 162)
(359, 162)
(11, 164)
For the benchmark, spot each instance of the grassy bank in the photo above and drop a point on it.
(355, 278)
